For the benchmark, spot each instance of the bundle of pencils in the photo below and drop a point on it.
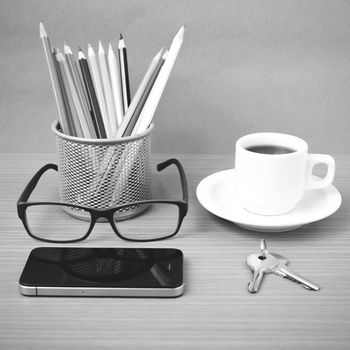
(93, 94)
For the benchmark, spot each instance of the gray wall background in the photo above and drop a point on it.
(245, 66)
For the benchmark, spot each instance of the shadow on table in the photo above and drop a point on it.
(336, 223)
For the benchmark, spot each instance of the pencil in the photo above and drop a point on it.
(91, 93)
(99, 89)
(91, 113)
(138, 95)
(131, 118)
(107, 89)
(158, 87)
(54, 79)
(134, 110)
(124, 72)
(114, 71)
(75, 98)
(84, 87)
(86, 122)
(80, 76)
(68, 113)
(135, 118)
(78, 129)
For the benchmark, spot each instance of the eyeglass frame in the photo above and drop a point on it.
(108, 213)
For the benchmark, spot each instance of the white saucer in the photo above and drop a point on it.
(217, 194)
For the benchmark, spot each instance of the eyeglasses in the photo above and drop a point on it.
(49, 222)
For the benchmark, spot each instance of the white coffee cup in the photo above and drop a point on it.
(273, 184)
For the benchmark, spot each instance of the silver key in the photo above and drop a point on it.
(260, 264)
(263, 247)
(283, 271)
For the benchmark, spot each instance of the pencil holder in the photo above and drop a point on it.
(102, 173)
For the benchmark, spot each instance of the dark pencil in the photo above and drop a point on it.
(124, 73)
(96, 115)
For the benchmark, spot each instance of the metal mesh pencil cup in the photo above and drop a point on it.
(102, 173)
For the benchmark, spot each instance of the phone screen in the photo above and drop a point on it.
(104, 267)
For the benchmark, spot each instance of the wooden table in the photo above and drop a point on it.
(216, 311)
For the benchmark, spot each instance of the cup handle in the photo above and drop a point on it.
(313, 159)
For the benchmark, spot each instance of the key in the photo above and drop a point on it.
(260, 265)
(263, 247)
(283, 271)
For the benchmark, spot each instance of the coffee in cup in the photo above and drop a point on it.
(274, 170)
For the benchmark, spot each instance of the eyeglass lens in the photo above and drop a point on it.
(155, 221)
(52, 222)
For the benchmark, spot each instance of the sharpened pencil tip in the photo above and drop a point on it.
(121, 43)
(81, 54)
(165, 54)
(121, 36)
(100, 48)
(91, 51)
(59, 56)
(180, 33)
(67, 49)
(79, 48)
(43, 33)
(160, 53)
(110, 50)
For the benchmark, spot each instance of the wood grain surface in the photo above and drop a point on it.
(216, 310)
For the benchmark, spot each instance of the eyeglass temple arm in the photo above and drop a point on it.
(163, 165)
(34, 181)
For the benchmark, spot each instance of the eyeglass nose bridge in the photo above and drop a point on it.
(103, 213)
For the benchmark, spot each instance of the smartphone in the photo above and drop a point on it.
(113, 272)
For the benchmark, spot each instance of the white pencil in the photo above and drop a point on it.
(107, 89)
(151, 104)
(137, 97)
(54, 79)
(114, 71)
(99, 89)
